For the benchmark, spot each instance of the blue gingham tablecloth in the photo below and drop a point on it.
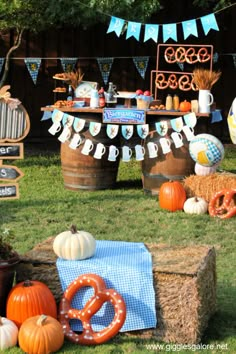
(124, 266)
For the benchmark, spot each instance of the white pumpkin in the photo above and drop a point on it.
(74, 245)
(196, 205)
(8, 333)
(201, 170)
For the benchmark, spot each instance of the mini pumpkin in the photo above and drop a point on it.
(30, 298)
(172, 196)
(8, 333)
(74, 245)
(185, 106)
(196, 205)
(41, 335)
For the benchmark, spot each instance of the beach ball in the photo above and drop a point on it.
(206, 150)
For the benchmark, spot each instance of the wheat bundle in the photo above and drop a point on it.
(204, 79)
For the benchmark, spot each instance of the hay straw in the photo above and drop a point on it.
(204, 79)
(184, 281)
(207, 186)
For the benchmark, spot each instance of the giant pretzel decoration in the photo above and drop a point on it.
(93, 305)
(180, 55)
(227, 208)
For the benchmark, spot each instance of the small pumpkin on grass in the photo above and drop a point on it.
(8, 333)
(30, 298)
(196, 205)
(201, 170)
(74, 245)
(172, 196)
(41, 335)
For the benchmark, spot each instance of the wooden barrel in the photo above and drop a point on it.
(84, 172)
(175, 165)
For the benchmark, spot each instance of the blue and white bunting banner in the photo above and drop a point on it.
(94, 128)
(215, 57)
(180, 65)
(143, 130)
(127, 131)
(170, 32)
(105, 65)
(68, 64)
(116, 25)
(2, 60)
(208, 23)
(234, 59)
(33, 65)
(112, 130)
(133, 30)
(151, 32)
(189, 28)
(162, 127)
(141, 64)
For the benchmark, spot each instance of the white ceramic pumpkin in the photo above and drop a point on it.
(195, 205)
(201, 170)
(8, 333)
(74, 245)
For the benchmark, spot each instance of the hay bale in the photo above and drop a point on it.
(207, 186)
(184, 282)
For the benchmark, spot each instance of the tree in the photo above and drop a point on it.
(36, 16)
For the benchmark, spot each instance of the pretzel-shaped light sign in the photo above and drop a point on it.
(227, 208)
(93, 305)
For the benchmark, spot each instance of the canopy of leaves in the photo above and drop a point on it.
(40, 15)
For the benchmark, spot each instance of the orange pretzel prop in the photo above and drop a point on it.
(161, 82)
(191, 56)
(203, 55)
(226, 209)
(184, 83)
(172, 80)
(93, 305)
(170, 55)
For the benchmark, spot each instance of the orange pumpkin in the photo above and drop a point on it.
(41, 335)
(185, 106)
(172, 196)
(30, 298)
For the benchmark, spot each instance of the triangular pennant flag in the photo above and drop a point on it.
(33, 65)
(105, 65)
(208, 23)
(68, 64)
(189, 27)
(215, 57)
(234, 59)
(151, 32)
(143, 130)
(181, 65)
(141, 65)
(116, 25)
(1, 63)
(127, 131)
(169, 31)
(133, 30)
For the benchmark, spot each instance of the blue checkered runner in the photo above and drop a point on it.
(124, 266)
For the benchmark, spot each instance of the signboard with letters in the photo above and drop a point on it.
(124, 116)
(14, 126)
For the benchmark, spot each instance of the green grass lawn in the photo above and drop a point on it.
(45, 208)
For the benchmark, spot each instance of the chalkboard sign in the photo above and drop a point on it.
(124, 116)
(10, 172)
(9, 191)
(11, 151)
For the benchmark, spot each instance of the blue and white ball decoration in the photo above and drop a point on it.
(206, 150)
